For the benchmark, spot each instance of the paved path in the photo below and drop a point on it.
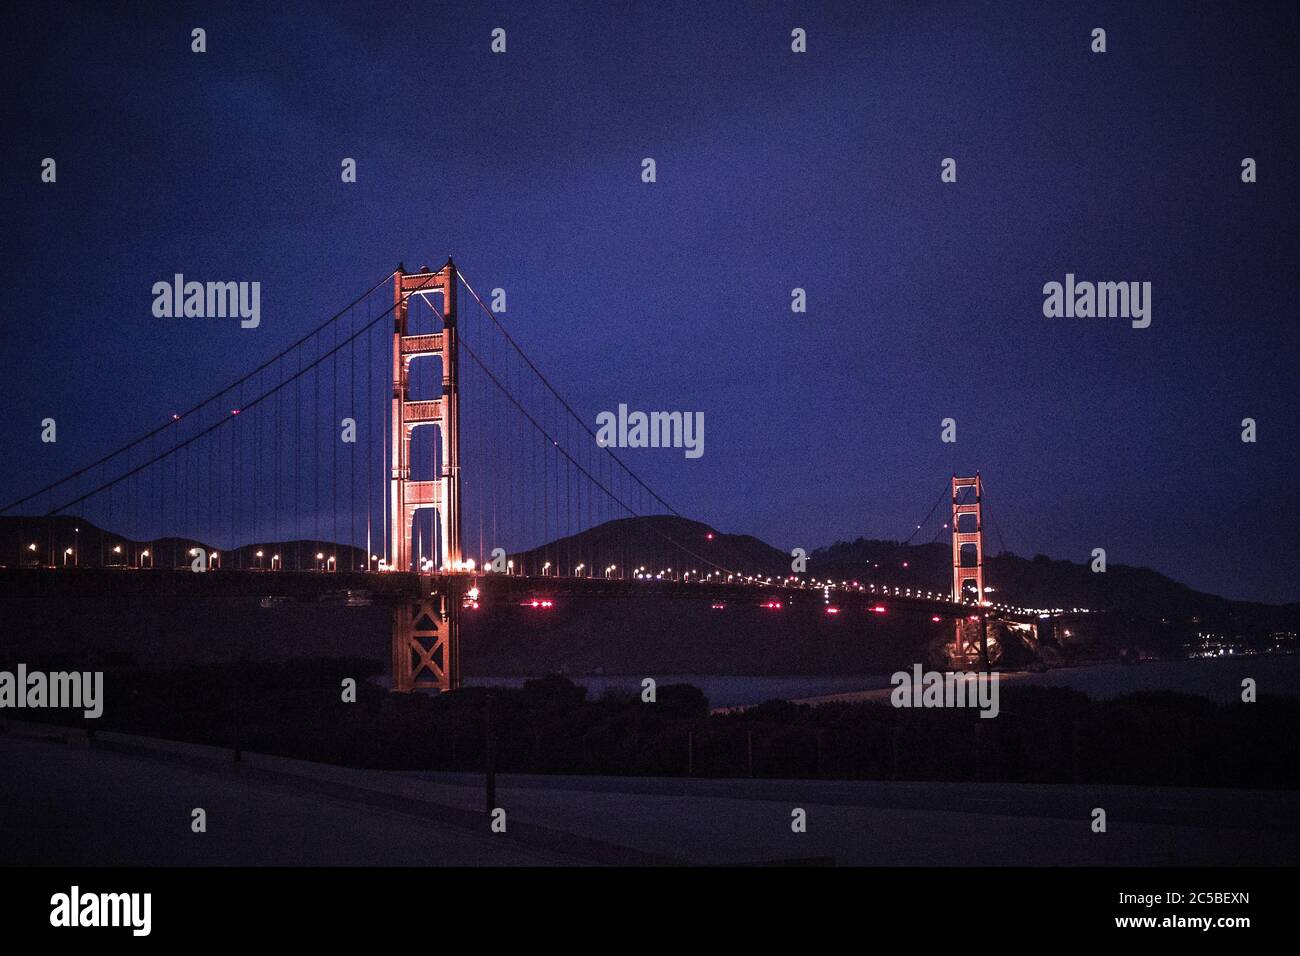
(128, 801)
(81, 807)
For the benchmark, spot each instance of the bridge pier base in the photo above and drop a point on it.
(426, 637)
(970, 645)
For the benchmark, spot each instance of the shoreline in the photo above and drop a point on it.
(1218, 679)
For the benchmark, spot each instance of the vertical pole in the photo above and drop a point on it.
(401, 648)
(979, 552)
(956, 551)
(237, 753)
(398, 556)
(955, 654)
(489, 757)
(451, 652)
(451, 433)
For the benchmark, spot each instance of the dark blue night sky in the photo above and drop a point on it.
(775, 171)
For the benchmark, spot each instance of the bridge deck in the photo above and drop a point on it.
(390, 586)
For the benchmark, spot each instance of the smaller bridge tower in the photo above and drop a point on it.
(970, 641)
(967, 532)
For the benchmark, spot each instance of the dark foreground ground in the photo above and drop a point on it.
(125, 800)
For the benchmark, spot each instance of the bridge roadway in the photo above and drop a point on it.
(395, 587)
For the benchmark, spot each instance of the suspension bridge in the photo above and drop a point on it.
(407, 450)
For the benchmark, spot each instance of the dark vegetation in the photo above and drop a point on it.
(1043, 735)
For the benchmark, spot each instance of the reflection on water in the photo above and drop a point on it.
(1218, 679)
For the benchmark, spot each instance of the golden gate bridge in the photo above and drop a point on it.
(415, 453)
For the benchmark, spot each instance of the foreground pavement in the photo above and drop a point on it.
(127, 800)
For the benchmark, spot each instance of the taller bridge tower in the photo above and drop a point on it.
(426, 630)
(408, 495)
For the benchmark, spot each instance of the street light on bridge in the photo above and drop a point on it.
(66, 554)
